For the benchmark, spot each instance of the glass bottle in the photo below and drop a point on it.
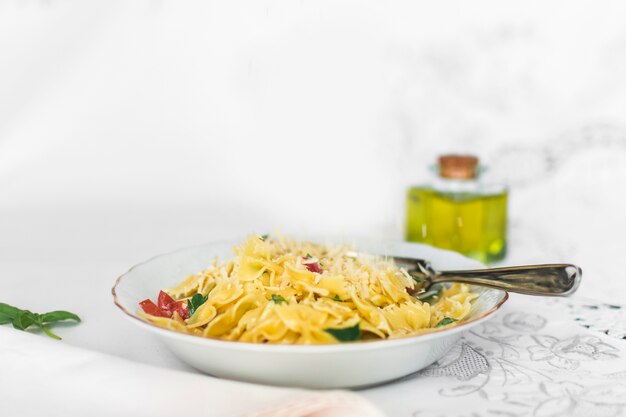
(457, 211)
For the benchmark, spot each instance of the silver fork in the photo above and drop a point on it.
(549, 279)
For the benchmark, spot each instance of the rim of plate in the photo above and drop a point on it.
(359, 345)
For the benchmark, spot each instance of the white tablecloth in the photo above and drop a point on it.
(41, 377)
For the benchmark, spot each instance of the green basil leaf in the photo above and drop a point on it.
(49, 332)
(8, 311)
(196, 301)
(60, 315)
(278, 299)
(347, 334)
(445, 321)
(25, 319)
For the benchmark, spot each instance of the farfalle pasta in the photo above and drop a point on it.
(294, 292)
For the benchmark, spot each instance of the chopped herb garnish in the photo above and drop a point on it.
(195, 302)
(23, 319)
(337, 298)
(445, 321)
(278, 299)
(264, 237)
(347, 334)
(308, 256)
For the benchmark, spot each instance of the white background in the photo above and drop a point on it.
(133, 128)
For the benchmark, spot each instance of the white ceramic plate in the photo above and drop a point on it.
(354, 364)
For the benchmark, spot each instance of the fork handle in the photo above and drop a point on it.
(550, 279)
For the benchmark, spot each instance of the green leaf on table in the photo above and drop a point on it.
(23, 319)
(346, 334)
(8, 311)
(445, 321)
(60, 315)
(278, 299)
(196, 301)
(49, 332)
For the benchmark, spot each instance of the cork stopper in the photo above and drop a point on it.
(459, 167)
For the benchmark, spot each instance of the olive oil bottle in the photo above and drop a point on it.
(458, 212)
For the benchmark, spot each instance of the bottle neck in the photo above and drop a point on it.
(449, 185)
(471, 186)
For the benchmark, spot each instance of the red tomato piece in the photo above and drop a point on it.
(181, 308)
(149, 307)
(165, 301)
(169, 305)
(312, 266)
(315, 267)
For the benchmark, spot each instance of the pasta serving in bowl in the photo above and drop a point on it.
(284, 311)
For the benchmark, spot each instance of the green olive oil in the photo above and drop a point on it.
(459, 215)
(474, 225)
